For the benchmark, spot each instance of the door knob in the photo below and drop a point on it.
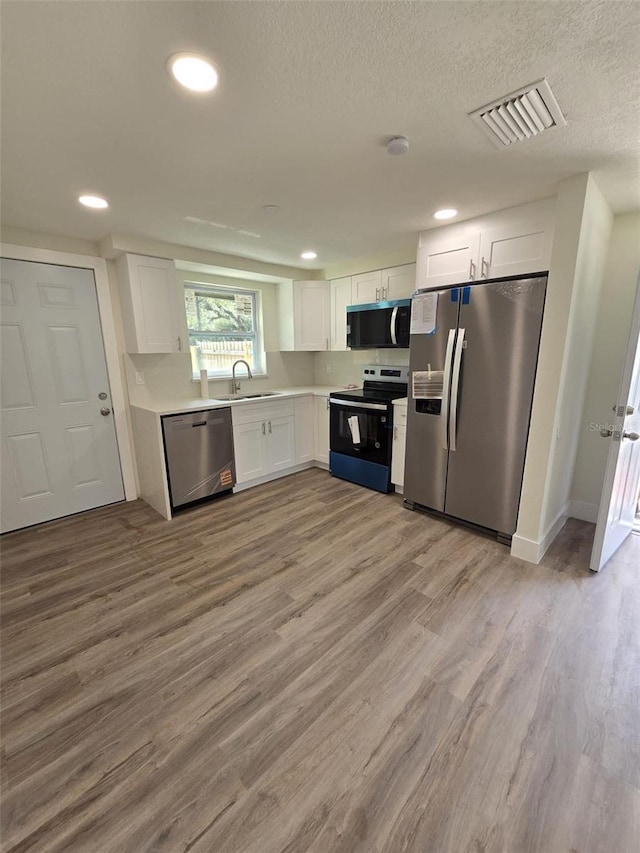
(632, 436)
(102, 395)
(606, 433)
(105, 410)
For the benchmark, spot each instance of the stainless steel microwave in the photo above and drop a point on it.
(379, 325)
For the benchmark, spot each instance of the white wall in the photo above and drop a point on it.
(607, 362)
(169, 376)
(581, 236)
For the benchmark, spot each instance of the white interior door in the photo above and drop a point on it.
(59, 451)
(622, 478)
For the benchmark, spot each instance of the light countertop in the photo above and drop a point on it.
(195, 404)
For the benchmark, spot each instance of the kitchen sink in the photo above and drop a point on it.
(230, 397)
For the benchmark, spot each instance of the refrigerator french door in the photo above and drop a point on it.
(466, 449)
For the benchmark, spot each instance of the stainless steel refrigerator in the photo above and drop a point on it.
(471, 382)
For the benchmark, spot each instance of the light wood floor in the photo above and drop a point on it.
(308, 666)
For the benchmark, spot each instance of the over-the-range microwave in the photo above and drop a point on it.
(379, 325)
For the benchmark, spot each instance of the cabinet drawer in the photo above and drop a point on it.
(248, 413)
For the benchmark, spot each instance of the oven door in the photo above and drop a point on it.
(361, 430)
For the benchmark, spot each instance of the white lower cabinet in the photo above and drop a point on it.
(304, 417)
(264, 439)
(399, 444)
(321, 431)
(250, 451)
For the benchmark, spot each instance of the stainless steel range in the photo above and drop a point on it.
(361, 427)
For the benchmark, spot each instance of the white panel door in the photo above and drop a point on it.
(445, 261)
(282, 445)
(366, 287)
(340, 299)
(399, 282)
(515, 249)
(59, 453)
(250, 448)
(620, 492)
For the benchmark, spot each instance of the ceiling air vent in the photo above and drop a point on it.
(520, 115)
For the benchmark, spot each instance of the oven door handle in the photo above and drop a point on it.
(379, 407)
(394, 318)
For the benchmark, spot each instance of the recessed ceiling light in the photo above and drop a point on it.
(193, 72)
(94, 201)
(308, 256)
(445, 213)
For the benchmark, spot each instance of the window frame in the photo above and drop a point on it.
(257, 336)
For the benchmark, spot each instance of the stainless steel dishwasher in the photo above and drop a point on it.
(198, 448)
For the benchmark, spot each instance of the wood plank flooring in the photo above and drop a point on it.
(308, 666)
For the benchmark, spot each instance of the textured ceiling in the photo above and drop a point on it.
(309, 94)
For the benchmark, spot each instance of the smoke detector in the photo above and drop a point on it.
(520, 115)
(398, 145)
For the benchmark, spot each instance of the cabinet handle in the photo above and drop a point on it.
(384, 293)
(327, 343)
(484, 265)
(327, 402)
(472, 270)
(264, 428)
(269, 427)
(395, 433)
(179, 344)
(377, 294)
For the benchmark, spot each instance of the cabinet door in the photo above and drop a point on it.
(322, 429)
(366, 287)
(152, 307)
(311, 309)
(398, 454)
(399, 282)
(340, 298)
(515, 249)
(281, 442)
(443, 260)
(304, 429)
(250, 451)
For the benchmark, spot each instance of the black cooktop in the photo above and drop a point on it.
(372, 395)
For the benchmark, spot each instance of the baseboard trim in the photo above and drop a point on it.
(276, 475)
(584, 511)
(533, 550)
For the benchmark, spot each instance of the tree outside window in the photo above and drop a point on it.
(223, 327)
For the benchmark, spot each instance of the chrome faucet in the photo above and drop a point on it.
(235, 385)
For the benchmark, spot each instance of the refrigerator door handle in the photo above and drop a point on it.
(446, 382)
(394, 317)
(455, 387)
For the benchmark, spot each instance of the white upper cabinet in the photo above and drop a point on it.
(304, 309)
(509, 242)
(340, 298)
(515, 249)
(443, 261)
(366, 287)
(383, 285)
(398, 282)
(152, 313)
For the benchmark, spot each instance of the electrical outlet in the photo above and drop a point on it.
(139, 377)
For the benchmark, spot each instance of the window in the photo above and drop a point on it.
(223, 327)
